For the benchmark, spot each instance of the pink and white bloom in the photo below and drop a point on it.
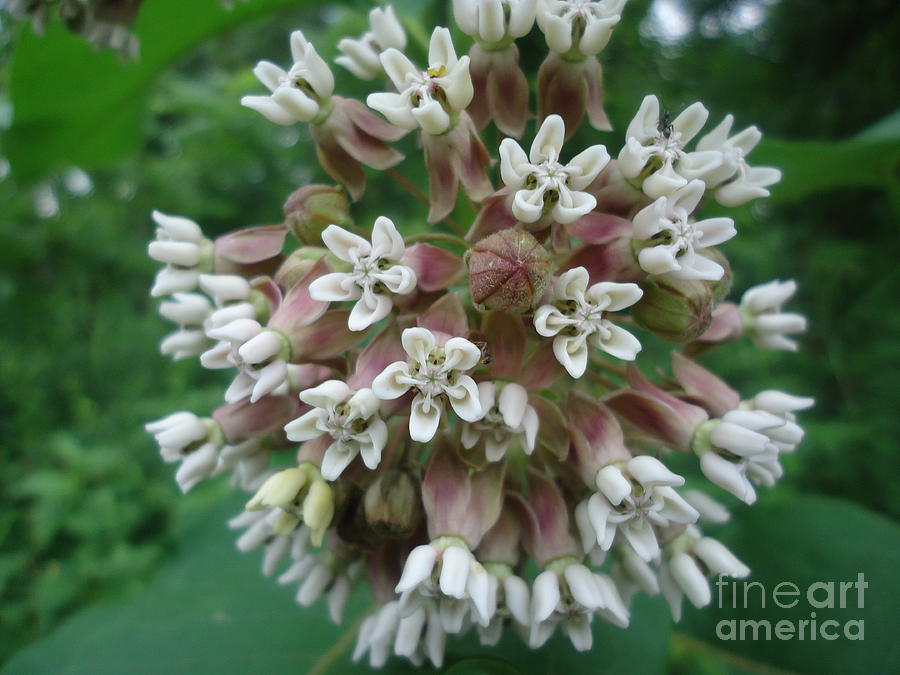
(429, 99)
(260, 354)
(377, 272)
(577, 318)
(507, 416)
(632, 499)
(435, 372)
(349, 417)
(361, 57)
(673, 241)
(735, 182)
(580, 26)
(182, 248)
(545, 187)
(764, 320)
(655, 151)
(300, 94)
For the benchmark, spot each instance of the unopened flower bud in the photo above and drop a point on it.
(677, 310)
(318, 510)
(508, 271)
(392, 505)
(312, 208)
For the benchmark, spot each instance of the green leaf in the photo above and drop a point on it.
(803, 540)
(211, 611)
(76, 106)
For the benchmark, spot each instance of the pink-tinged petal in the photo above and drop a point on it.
(727, 324)
(541, 369)
(653, 417)
(501, 543)
(485, 502)
(443, 181)
(553, 433)
(338, 163)
(597, 437)
(382, 351)
(250, 246)
(562, 90)
(244, 420)
(613, 261)
(505, 337)
(712, 393)
(495, 215)
(435, 268)
(692, 415)
(471, 159)
(270, 289)
(326, 338)
(600, 228)
(368, 122)
(366, 149)
(446, 490)
(507, 93)
(545, 520)
(298, 308)
(479, 69)
(447, 315)
(593, 78)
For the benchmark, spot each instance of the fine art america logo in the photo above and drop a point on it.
(814, 624)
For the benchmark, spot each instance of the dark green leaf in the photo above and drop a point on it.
(803, 540)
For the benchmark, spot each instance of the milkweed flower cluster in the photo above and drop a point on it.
(462, 412)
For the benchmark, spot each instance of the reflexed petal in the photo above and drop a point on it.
(418, 567)
(513, 403)
(269, 109)
(425, 417)
(395, 107)
(546, 596)
(301, 106)
(455, 565)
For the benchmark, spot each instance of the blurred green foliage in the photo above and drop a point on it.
(88, 506)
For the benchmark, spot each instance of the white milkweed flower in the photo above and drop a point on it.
(654, 151)
(377, 273)
(360, 56)
(779, 403)
(193, 441)
(632, 499)
(763, 319)
(430, 99)
(582, 26)
(688, 562)
(570, 598)
(742, 448)
(735, 182)
(248, 462)
(446, 571)
(349, 417)
(506, 417)
(232, 295)
(300, 94)
(318, 575)
(190, 311)
(435, 372)
(544, 186)
(415, 636)
(673, 240)
(260, 355)
(513, 600)
(577, 317)
(495, 21)
(261, 529)
(186, 253)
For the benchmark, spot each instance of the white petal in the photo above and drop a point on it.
(545, 596)
(513, 403)
(336, 459)
(690, 579)
(548, 141)
(335, 287)
(455, 565)
(621, 344)
(425, 417)
(418, 567)
(387, 385)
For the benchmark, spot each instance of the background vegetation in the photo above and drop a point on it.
(89, 512)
